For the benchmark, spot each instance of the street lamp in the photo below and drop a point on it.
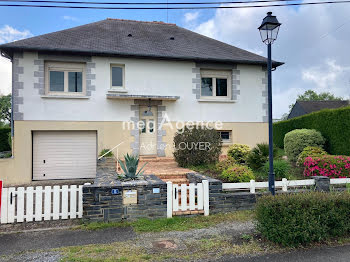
(268, 32)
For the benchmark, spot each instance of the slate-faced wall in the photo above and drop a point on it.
(100, 204)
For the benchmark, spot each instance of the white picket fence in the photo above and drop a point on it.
(192, 197)
(41, 203)
(283, 185)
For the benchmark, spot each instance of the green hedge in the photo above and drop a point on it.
(300, 219)
(4, 139)
(333, 124)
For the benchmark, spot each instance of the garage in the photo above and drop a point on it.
(64, 154)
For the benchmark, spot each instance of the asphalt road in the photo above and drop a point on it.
(323, 254)
(48, 239)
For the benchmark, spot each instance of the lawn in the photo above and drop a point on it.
(189, 246)
(175, 223)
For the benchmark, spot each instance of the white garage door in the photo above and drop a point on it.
(64, 154)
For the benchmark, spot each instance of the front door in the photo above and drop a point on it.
(148, 130)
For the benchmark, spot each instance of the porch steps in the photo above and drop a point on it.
(155, 159)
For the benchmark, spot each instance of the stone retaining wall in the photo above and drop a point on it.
(100, 204)
(224, 201)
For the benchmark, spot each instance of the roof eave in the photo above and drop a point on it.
(11, 49)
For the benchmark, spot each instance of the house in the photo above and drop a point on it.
(84, 89)
(301, 108)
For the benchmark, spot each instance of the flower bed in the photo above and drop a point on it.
(327, 165)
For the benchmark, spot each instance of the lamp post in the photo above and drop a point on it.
(268, 32)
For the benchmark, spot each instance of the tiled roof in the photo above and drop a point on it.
(118, 37)
(313, 106)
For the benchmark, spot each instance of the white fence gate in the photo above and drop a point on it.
(41, 203)
(183, 198)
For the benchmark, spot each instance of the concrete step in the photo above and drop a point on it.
(178, 181)
(188, 212)
(172, 176)
(156, 159)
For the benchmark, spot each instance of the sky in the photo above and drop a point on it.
(313, 41)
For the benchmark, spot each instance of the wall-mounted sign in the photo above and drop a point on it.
(129, 197)
(115, 191)
(156, 190)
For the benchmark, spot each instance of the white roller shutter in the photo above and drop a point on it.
(64, 154)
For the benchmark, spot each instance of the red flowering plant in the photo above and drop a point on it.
(327, 165)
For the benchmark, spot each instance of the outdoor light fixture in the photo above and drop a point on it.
(269, 29)
(148, 112)
(268, 32)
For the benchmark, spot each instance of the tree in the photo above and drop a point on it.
(311, 95)
(5, 109)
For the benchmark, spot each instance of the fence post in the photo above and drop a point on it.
(206, 197)
(252, 186)
(169, 199)
(322, 183)
(284, 185)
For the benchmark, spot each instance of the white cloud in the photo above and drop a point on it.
(70, 18)
(315, 54)
(325, 75)
(8, 34)
(191, 16)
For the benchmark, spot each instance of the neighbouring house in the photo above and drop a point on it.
(84, 89)
(301, 108)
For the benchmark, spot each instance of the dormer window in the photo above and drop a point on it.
(65, 78)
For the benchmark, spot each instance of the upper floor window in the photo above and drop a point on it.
(117, 76)
(215, 84)
(65, 78)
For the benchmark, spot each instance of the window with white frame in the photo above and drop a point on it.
(117, 77)
(215, 84)
(64, 78)
(225, 136)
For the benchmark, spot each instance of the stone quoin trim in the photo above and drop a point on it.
(196, 82)
(235, 92)
(135, 146)
(265, 95)
(39, 74)
(160, 132)
(17, 86)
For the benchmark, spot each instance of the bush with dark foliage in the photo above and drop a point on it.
(300, 219)
(197, 146)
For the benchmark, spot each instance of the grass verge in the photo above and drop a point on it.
(175, 223)
(188, 250)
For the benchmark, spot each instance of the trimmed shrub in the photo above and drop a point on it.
(300, 219)
(4, 140)
(259, 155)
(295, 141)
(239, 152)
(237, 173)
(197, 146)
(312, 151)
(224, 164)
(280, 167)
(332, 123)
(327, 165)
